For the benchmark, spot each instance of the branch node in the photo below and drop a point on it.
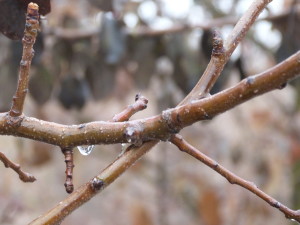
(216, 165)
(252, 184)
(143, 101)
(172, 120)
(23, 63)
(218, 47)
(81, 126)
(250, 80)
(133, 133)
(283, 85)
(276, 204)
(97, 184)
(139, 105)
(16, 120)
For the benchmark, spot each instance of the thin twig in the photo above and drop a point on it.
(139, 104)
(25, 177)
(30, 33)
(132, 134)
(68, 153)
(217, 62)
(232, 178)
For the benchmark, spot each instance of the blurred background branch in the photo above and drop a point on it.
(25, 177)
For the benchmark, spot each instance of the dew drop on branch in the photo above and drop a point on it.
(294, 221)
(125, 146)
(85, 149)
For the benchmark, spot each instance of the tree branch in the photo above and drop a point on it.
(187, 114)
(94, 186)
(30, 33)
(25, 177)
(158, 127)
(139, 105)
(232, 178)
(217, 62)
(68, 153)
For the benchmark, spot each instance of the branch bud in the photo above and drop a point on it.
(218, 48)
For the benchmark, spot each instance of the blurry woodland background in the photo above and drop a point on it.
(92, 57)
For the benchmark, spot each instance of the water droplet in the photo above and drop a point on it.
(85, 149)
(125, 146)
(295, 221)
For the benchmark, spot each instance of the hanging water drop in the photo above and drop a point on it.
(295, 221)
(85, 149)
(124, 148)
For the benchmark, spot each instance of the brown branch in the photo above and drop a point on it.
(25, 177)
(232, 178)
(217, 62)
(158, 127)
(140, 104)
(114, 133)
(272, 79)
(94, 186)
(201, 109)
(87, 191)
(132, 133)
(30, 33)
(68, 153)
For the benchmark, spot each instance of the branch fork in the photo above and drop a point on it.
(143, 132)
(184, 146)
(132, 134)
